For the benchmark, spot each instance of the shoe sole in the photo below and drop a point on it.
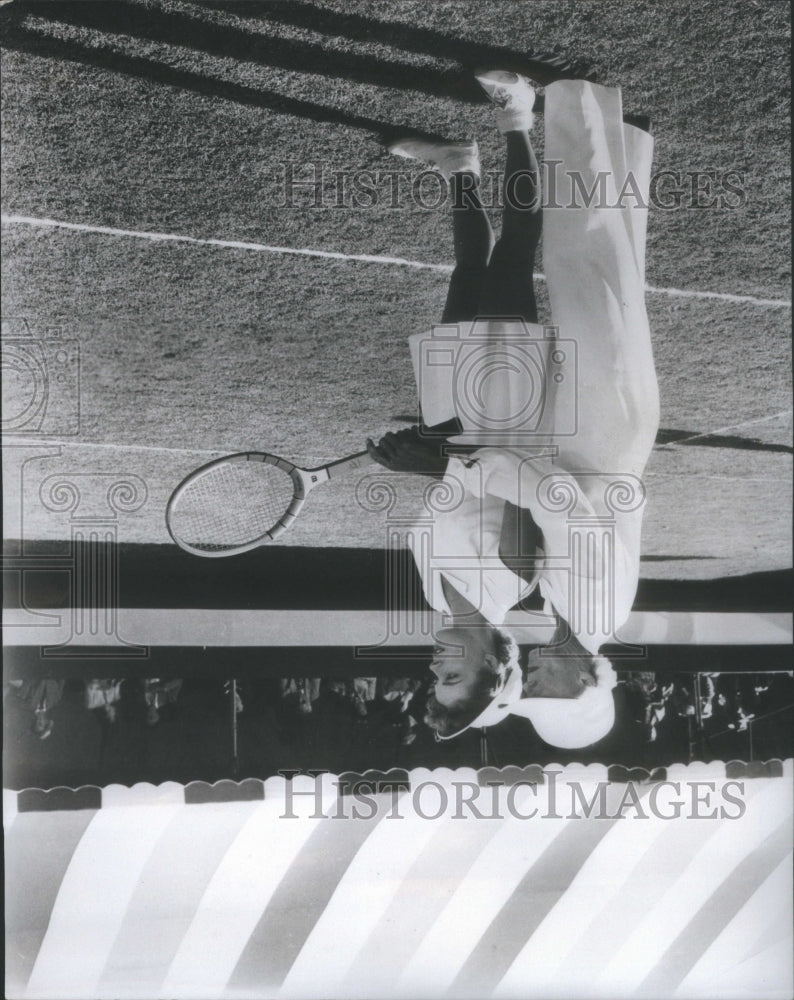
(493, 79)
(496, 77)
(463, 147)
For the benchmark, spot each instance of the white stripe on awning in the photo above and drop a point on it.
(602, 878)
(650, 853)
(236, 897)
(367, 888)
(642, 950)
(84, 923)
(239, 628)
(624, 877)
(481, 895)
(764, 921)
(9, 808)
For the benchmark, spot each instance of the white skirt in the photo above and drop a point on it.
(586, 385)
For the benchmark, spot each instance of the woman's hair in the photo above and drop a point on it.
(446, 720)
(561, 676)
(506, 650)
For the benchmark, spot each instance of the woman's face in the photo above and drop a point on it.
(457, 662)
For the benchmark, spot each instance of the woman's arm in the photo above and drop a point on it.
(412, 450)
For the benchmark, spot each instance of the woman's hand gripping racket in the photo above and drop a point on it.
(241, 501)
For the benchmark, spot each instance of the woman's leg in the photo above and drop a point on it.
(508, 287)
(459, 164)
(473, 241)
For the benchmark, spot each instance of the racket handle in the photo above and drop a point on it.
(344, 465)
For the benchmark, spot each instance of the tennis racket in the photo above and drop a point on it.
(241, 501)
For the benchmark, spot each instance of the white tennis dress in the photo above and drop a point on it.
(567, 417)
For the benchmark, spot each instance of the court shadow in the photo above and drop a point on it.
(179, 29)
(666, 436)
(22, 39)
(224, 41)
(287, 577)
(543, 66)
(692, 438)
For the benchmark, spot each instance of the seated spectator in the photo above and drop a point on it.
(302, 691)
(40, 697)
(103, 694)
(157, 694)
(364, 689)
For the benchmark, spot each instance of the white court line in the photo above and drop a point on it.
(733, 427)
(20, 440)
(686, 293)
(81, 227)
(23, 440)
(289, 627)
(716, 479)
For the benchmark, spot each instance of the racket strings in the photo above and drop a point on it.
(231, 505)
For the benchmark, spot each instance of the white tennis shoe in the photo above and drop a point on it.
(512, 95)
(446, 157)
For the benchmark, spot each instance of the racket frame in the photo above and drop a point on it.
(303, 482)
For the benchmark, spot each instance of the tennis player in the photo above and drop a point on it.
(550, 494)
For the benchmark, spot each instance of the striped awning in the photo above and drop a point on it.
(612, 888)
